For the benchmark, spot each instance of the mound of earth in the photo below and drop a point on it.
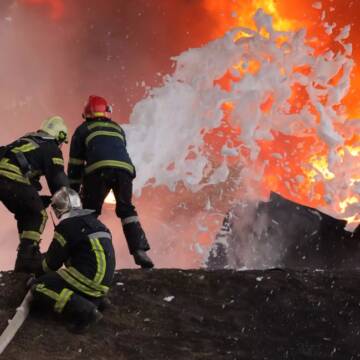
(198, 314)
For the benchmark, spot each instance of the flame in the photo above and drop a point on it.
(231, 14)
(320, 167)
(350, 200)
(304, 178)
(292, 167)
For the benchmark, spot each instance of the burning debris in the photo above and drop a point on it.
(281, 233)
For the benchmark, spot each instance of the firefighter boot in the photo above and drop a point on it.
(82, 314)
(81, 325)
(137, 243)
(28, 258)
(142, 259)
(104, 304)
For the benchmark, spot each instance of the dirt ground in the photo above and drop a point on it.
(174, 314)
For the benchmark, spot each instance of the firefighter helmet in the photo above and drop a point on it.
(56, 127)
(96, 107)
(65, 200)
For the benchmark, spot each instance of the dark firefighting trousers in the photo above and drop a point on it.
(25, 203)
(97, 185)
(51, 292)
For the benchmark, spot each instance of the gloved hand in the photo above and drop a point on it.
(46, 199)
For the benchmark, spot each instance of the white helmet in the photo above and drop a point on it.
(65, 200)
(56, 127)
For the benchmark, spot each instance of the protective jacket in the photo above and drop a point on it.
(84, 245)
(32, 156)
(97, 143)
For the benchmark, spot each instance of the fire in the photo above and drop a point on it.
(231, 14)
(304, 178)
(320, 167)
(292, 167)
(351, 200)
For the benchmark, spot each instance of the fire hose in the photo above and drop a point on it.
(15, 323)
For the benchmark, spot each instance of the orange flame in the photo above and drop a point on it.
(292, 168)
(231, 14)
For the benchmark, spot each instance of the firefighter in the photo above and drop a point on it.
(83, 244)
(99, 161)
(22, 163)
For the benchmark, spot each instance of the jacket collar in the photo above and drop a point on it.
(75, 213)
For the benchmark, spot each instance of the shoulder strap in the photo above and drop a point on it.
(38, 137)
(24, 164)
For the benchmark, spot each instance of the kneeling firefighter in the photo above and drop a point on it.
(22, 163)
(84, 245)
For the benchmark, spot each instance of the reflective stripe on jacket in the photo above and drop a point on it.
(97, 144)
(84, 245)
(32, 156)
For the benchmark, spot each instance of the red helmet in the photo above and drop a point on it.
(97, 107)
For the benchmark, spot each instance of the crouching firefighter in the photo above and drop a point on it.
(22, 163)
(83, 244)
(99, 161)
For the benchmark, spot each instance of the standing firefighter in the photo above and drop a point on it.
(83, 244)
(100, 162)
(21, 165)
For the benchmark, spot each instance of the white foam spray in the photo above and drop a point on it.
(170, 122)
